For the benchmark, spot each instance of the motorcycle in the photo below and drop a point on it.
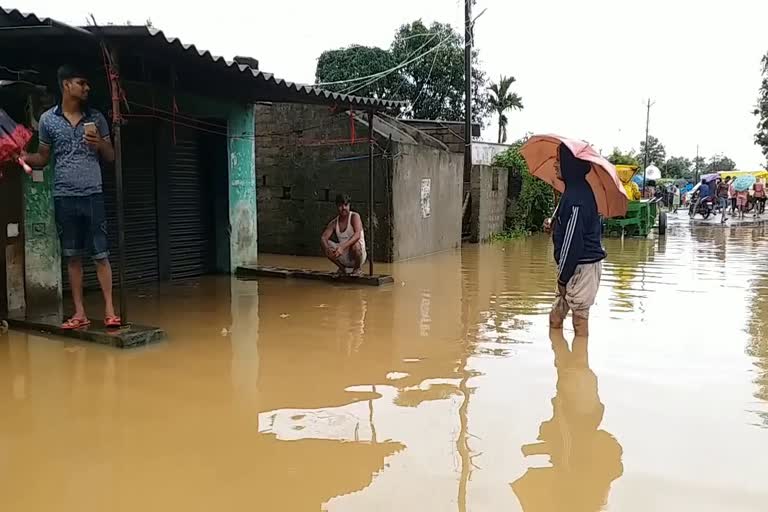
(705, 207)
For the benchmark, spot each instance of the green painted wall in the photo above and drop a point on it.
(242, 186)
(42, 251)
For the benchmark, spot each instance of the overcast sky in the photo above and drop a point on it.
(584, 67)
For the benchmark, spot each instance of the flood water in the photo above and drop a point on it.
(442, 392)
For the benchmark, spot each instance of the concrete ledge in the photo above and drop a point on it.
(316, 275)
(125, 337)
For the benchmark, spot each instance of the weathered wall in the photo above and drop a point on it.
(450, 133)
(43, 279)
(425, 225)
(242, 186)
(300, 169)
(489, 201)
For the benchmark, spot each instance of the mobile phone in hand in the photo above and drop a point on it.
(90, 129)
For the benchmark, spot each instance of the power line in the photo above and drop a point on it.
(434, 48)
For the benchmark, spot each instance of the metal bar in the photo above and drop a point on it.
(371, 231)
(467, 87)
(116, 128)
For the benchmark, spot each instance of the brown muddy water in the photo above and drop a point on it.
(443, 392)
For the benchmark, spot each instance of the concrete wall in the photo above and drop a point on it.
(300, 170)
(425, 225)
(483, 153)
(242, 186)
(489, 201)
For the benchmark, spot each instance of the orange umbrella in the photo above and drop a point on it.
(540, 152)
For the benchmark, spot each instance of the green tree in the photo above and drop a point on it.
(719, 163)
(536, 200)
(761, 111)
(617, 157)
(502, 100)
(677, 167)
(434, 85)
(656, 152)
(338, 66)
(423, 67)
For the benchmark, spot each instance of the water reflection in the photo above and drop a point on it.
(584, 459)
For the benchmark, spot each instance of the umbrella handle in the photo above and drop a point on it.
(24, 165)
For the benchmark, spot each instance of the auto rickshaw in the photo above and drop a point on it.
(642, 214)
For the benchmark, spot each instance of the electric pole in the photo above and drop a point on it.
(697, 163)
(647, 125)
(467, 89)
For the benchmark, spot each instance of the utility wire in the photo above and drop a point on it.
(410, 61)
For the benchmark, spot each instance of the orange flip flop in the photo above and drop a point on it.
(75, 323)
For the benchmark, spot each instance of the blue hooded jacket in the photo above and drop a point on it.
(577, 230)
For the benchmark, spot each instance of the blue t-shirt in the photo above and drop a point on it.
(76, 169)
(704, 191)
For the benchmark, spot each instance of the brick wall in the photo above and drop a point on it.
(299, 172)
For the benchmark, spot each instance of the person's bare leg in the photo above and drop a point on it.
(104, 273)
(75, 270)
(356, 253)
(581, 324)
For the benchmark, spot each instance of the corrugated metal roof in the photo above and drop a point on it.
(260, 76)
(299, 91)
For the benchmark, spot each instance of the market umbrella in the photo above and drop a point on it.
(743, 183)
(13, 139)
(540, 153)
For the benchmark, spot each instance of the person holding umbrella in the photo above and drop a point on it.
(590, 188)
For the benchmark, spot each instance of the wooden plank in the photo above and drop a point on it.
(126, 337)
(256, 271)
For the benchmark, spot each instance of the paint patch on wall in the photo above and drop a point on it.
(426, 192)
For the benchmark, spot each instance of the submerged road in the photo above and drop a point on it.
(442, 392)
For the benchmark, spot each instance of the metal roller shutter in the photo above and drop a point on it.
(189, 211)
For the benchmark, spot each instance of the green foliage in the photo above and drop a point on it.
(657, 154)
(699, 166)
(512, 234)
(677, 167)
(720, 163)
(536, 200)
(501, 100)
(355, 61)
(761, 111)
(432, 86)
(619, 158)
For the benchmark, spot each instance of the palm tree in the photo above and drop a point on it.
(502, 100)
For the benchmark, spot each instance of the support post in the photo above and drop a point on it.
(467, 87)
(645, 158)
(116, 129)
(371, 230)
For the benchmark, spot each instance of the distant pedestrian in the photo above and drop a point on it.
(742, 198)
(722, 196)
(732, 197)
(577, 236)
(759, 189)
(675, 198)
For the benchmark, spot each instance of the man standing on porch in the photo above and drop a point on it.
(348, 251)
(78, 137)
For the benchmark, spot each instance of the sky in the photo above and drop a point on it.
(585, 68)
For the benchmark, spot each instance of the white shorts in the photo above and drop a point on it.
(346, 258)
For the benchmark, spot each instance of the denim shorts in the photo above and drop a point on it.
(82, 226)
